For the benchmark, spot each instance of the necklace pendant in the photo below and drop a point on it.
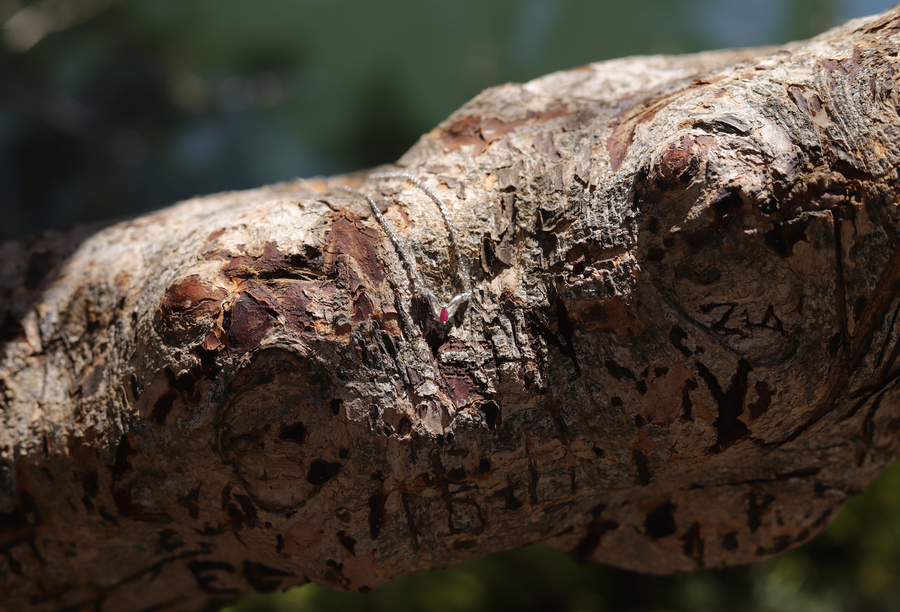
(443, 312)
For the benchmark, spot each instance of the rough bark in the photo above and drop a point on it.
(681, 353)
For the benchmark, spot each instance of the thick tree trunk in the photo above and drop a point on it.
(681, 351)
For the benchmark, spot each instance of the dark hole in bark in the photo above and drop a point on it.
(295, 432)
(591, 540)
(769, 206)
(642, 466)
(484, 466)
(619, 372)
(321, 472)
(491, 414)
(133, 383)
(348, 542)
(756, 510)
(405, 427)
(456, 475)
(90, 483)
(207, 360)
(858, 307)
(692, 543)
(660, 522)
(376, 515)
(833, 344)
(655, 254)
(163, 407)
(726, 201)
(435, 340)
(263, 578)
(579, 267)
(776, 239)
(123, 464)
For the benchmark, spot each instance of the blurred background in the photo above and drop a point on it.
(110, 108)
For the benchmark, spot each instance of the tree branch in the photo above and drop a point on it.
(681, 351)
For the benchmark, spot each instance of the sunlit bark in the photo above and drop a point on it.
(681, 351)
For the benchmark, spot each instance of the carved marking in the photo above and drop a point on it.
(729, 428)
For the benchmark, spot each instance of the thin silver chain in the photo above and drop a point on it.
(442, 311)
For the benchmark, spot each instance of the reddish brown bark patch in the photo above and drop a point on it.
(363, 307)
(680, 162)
(350, 254)
(641, 111)
(480, 131)
(847, 67)
(187, 308)
(463, 387)
(624, 124)
(292, 300)
(610, 315)
(250, 321)
(271, 264)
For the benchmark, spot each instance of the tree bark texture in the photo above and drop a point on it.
(681, 351)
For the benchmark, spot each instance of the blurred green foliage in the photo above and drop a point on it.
(853, 566)
(115, 107)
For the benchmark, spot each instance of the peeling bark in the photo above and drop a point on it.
(681, 352)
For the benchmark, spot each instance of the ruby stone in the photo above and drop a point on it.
(444, 315)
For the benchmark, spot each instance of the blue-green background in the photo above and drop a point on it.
(115, 107)
(110, 108)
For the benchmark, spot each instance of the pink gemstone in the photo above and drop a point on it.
(444, 315)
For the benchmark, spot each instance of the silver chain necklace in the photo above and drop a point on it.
(441, 312)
